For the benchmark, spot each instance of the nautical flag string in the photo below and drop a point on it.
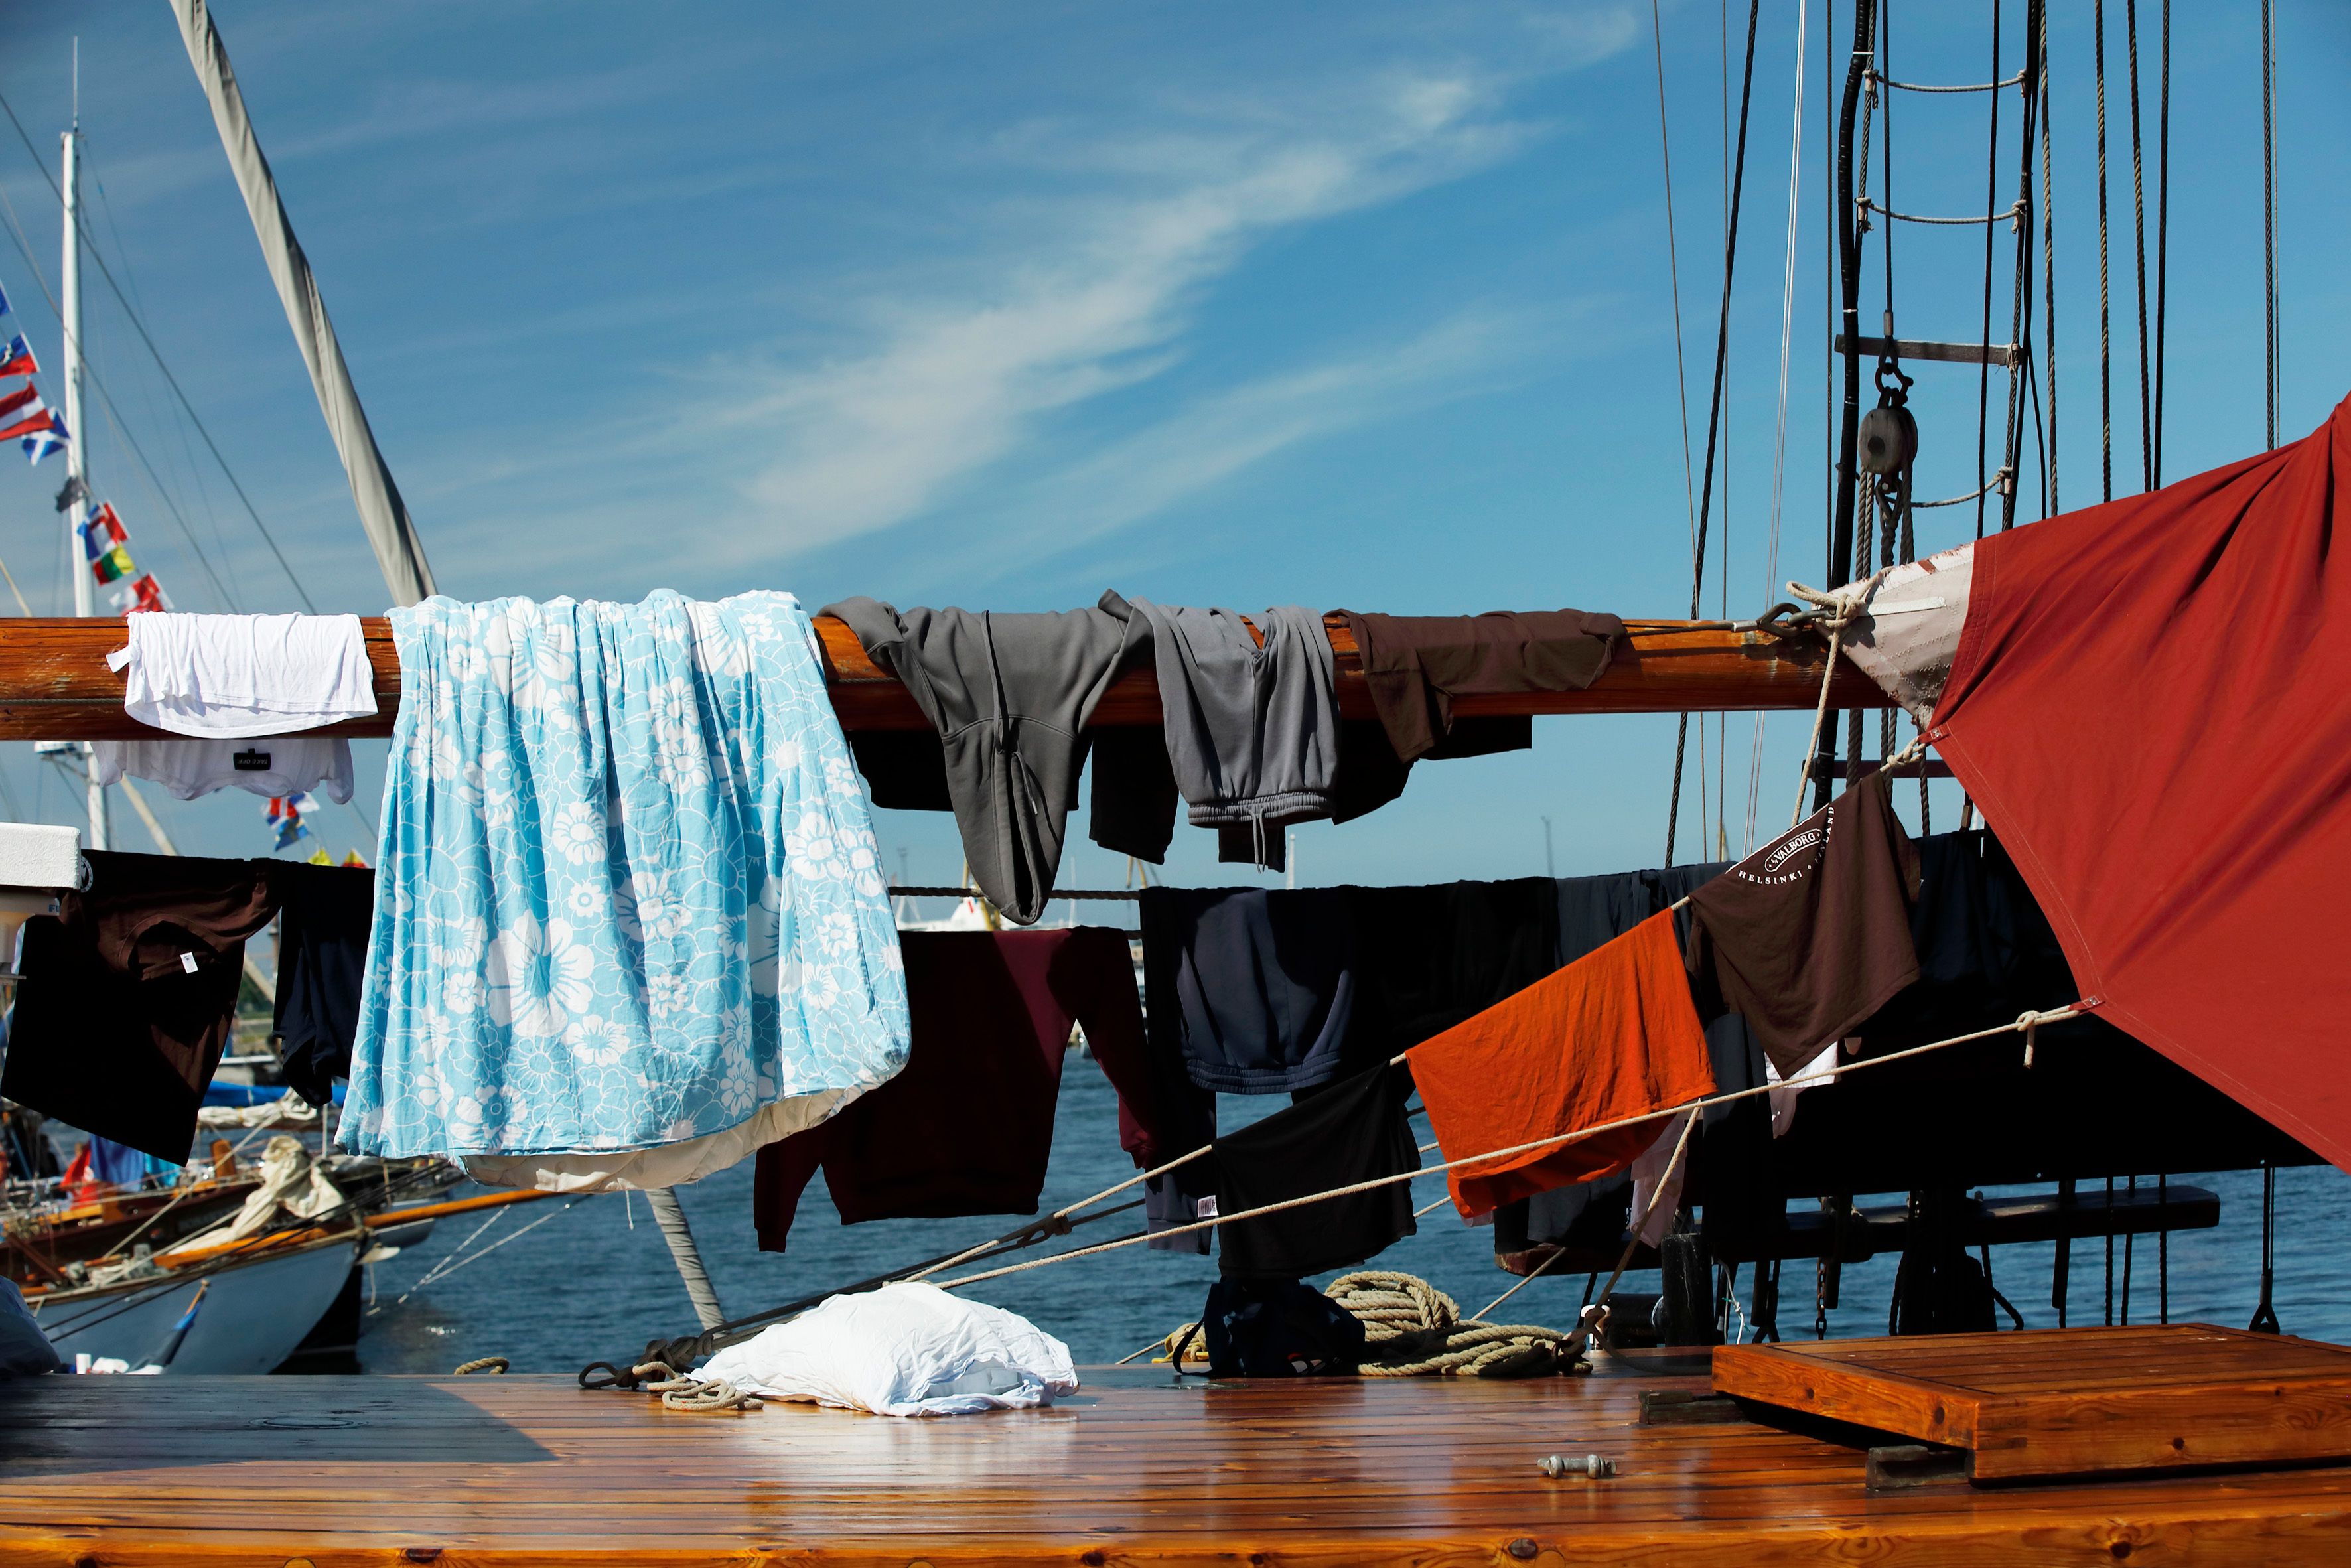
(145, 593)
(22, 412)
(102, 531)
(285, 813)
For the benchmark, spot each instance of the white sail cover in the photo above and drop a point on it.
(381, 512)
(1903, 630)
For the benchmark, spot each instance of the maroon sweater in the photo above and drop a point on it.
(966, 1126)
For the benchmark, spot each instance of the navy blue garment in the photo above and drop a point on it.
(117, 1165)
(1255, 991)
(325, 915)
(1250, 992)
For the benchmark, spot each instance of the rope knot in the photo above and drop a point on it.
(2028, 1021)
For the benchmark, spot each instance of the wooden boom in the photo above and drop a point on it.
(55, 686)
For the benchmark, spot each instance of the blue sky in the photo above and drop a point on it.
(999, 305)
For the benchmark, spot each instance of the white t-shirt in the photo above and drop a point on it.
(266, 765)
(244, 675)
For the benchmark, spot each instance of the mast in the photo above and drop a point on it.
(77, 509)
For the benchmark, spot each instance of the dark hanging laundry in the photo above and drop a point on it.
(129, 992)
(1009, 696)
(1811, 934)
(904, 769)
(966, 1127)
(1353, 1131)
(324, 915)
(1132, 804)
(1371, 774)
(1258, 991)
(1252, 991)
(1251, 728)
(1986, 951)
(1430, 957)
(1417, 664)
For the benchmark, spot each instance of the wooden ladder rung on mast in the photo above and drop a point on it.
(2003, 354)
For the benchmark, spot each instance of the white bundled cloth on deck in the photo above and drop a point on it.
(907, 1349)
(291, 1181)
(630, 923)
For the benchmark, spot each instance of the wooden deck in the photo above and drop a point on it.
(531, 1471)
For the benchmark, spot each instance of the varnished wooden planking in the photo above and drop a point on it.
(515, 1470)
(55, 686)
(2070, 1401)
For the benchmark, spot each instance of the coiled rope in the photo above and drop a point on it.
(692, 1394)
(1412, 1329)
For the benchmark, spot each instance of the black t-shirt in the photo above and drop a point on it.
(1353, 1131)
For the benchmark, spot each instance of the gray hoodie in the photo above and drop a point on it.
(1009, 696)
(1252, 731)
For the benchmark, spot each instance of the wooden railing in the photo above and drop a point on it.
(55, 686)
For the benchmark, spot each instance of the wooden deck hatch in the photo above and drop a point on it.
(2055, 1402)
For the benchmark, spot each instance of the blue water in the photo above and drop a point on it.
(553, 1287)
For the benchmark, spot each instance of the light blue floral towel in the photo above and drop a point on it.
(627, 892)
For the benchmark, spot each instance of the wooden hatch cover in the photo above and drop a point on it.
(2051, 1402)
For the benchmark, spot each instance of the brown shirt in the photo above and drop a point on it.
(1811, 934)
(125, 1006)
(1417, 664)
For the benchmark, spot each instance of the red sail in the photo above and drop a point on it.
(2151, 702)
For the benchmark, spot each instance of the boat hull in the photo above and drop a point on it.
(253, 1316)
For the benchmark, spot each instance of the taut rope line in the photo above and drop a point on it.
(2028, 1020)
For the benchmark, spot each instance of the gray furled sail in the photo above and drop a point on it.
(381, 512)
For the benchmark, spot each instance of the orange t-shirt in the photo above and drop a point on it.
(1614, 1034)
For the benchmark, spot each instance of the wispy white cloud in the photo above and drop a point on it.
(1208, 442)
(951, 385)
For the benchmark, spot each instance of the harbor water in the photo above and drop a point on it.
(555, 1285)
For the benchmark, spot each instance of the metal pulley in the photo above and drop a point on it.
(1888, 439)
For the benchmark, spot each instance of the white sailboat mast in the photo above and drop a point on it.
(76, 446)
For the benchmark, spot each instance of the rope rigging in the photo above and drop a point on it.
(2105, 324)
(1714, 412)
(2162, 234)
(2015, 214)
(2269, 214)
(2138, 230)
(140, 326)
(1964, 87)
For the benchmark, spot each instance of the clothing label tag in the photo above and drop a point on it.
(188, 962)
(1206, 1207)
(252, 761)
